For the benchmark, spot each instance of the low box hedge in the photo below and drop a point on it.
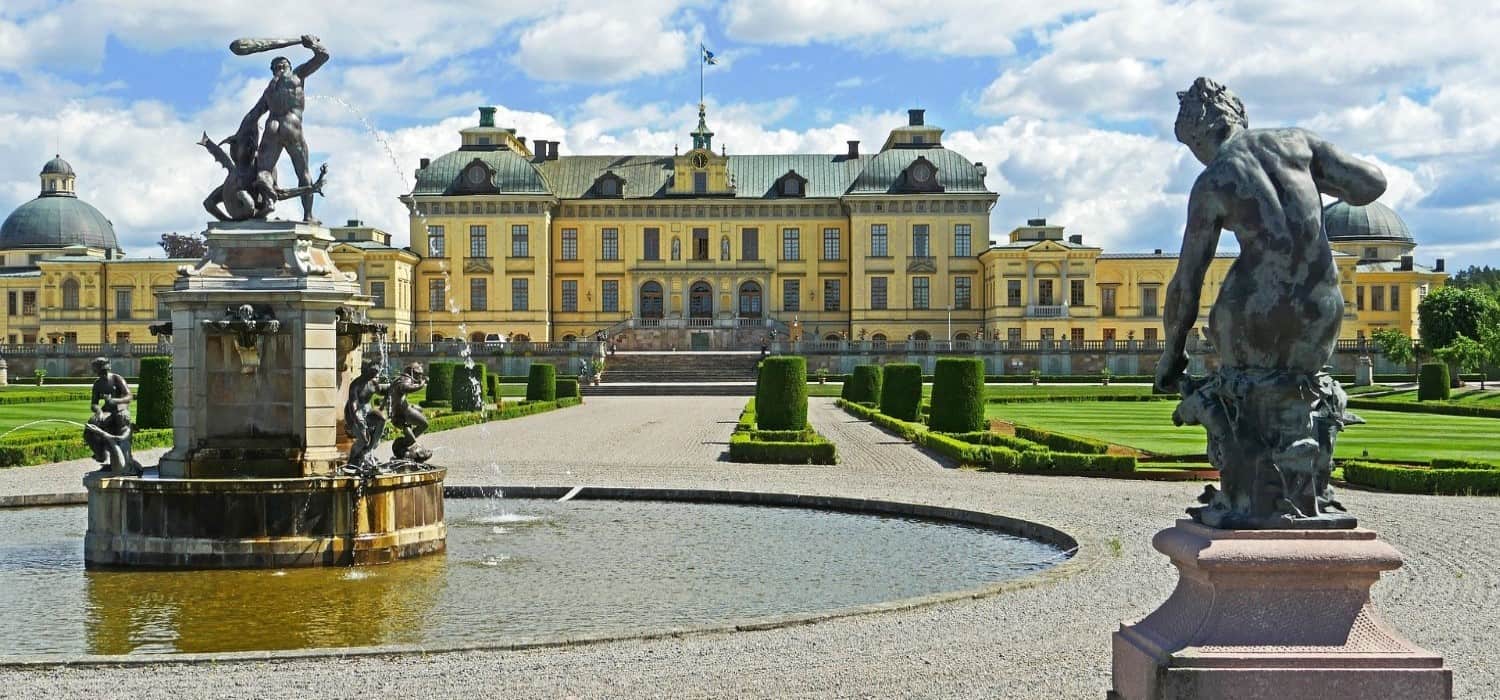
(567, 387)
(1061, 442)
(1440, 463)
(1443, 409)
(52, 447)
(986, 437)
(767, 447)
(24, 396)
(1416, 480)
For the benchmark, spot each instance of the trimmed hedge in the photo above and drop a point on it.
(747, 417)
(1439, 463)
(1475, 482)
(771, 447)
(48, 448)
(781, 393)
(541, 383)
(1432, 382)
(153, 401)
(1445, 409)
(901, 391)
(468, 388)
(439, 384)
(1060, 441)
(567, 388)
(492, 386)
(864, 384)
(958, 395)
(1080, 397)
(985, 437)
(30, 396)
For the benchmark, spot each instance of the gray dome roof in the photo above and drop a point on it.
(57, 166)
(1343, 221)
(514, 174)
(57, 221)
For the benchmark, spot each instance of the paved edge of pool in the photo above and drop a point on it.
(1081, 556)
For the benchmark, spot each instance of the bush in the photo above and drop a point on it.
(755, 447)
(958, 395)
(901, 391)
(864, 384)
(781, 393)
(1438, 463)
(153, 401)
(492, 386)
(1061, 442)
(1432, 382)
(468, 388)
(567, 388)
(30, 396)
(541, 384)
(985, 437)
(51, 448)
(439, 384)
(1446, 409)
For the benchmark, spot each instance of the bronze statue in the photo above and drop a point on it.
(363, 421)
(249, 190)
(108, 430)
(407, 417)
(1271, 411)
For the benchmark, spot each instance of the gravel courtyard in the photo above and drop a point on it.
(1050, 641)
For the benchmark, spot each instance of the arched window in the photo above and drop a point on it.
(569, 338)
(878, 340)
(960, 336)
(833, 337)
(520, 338)
(651, 300)
(921, 336)
(750, 300)
(70, 294)
(476, 337)
(437, 337)
(791, 187)
(700, 300)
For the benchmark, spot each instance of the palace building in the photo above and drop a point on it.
(698, 249)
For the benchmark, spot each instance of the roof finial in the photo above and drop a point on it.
(702, 137)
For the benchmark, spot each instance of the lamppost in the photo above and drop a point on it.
(950, 323)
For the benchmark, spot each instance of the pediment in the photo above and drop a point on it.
(476, 178)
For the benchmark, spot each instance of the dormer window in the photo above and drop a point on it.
(921, 176)
(476, 178)
(609, 185)
(790, 185)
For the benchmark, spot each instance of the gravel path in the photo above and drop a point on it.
(1046, 642)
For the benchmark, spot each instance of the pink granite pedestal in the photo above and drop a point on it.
(1273, 615)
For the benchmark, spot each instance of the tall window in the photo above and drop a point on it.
(962, 292)
(1359, 298)
(651, 300)
(1151, 334)
(750, 244)
(70, 294)
(1107, 300)
(609, 240)
(791, 295)
(963, 245)
(437, 294)
(921, 243)
(12, 303)
(879, 241)
(123, 302)
(652, 239)
(1076, 336)
(831, 244)
(570, 244)
(700, 183)
(700, 244)
(609, 296)
(1075, 292)
(791, 244)
(479, 294)
(479, 241)
(1012, 292)
(519, 293)
(570, 295)
(520, 241)
(1395, 297)
(878, 293)
(1377, 298)
(377, 294)
(28, 303)
(435, 247)
(832, 295)
(1044, 293)
(920, 293)
(1148, 302)
(750, 300)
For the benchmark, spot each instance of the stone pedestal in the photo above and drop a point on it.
(1364, 371)
(1272, 615)
(260, 396)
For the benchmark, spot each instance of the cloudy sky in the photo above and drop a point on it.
(1068, 102)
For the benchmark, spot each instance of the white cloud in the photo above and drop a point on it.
(602, 46)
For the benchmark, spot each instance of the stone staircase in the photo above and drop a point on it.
(677, 374)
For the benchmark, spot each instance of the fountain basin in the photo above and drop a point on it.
(148, 521)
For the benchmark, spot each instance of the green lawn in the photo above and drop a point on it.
(1147, 425)
(1463, 396)
(1010, 390)
(13, 415)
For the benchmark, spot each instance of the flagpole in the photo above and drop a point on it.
(701, 49)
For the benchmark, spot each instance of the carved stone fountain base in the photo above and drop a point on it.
(1270, 615)
(148, 521)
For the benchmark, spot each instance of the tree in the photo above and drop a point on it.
(1395, 345)
(1450, 312)
(1467, 354)
(1484, 278)
(183, 245)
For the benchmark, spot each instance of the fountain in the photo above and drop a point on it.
(267, 335)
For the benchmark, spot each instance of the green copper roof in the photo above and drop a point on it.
(572, 177)
(1343, 221)
(57, 221)
(513, 173)
(884, 172)
(827, 175)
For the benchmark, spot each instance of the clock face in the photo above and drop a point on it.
(700, 160)
(476, 175)
(921, 173)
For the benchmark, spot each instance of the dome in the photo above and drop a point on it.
(57, 166)
(57, 221)
(1374, 221)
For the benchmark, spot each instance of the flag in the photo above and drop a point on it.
(708, 56)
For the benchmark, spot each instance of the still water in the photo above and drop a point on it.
(514, 570)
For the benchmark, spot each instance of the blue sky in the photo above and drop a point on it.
(1069, 103)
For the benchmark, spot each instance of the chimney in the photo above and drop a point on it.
(914, 116)
(1036, 222)
(354, 223)
(854, 149)
(1438, 267)
(539, 151)
(487, 116)
(521, 140)
(1157, 252)
(424, 162)
(552, 150)
(1076, 239)
(1406, 262)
